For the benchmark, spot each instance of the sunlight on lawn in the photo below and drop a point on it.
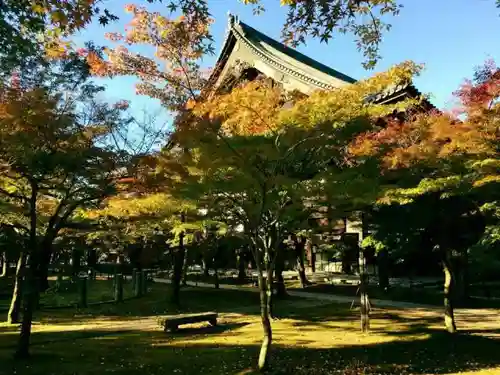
(307, 340)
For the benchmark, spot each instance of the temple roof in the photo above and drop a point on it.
(281, 57)
(245, 44)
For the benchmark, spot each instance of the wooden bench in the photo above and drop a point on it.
(171, 323)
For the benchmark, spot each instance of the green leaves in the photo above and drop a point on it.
(322, 19)
(55, 149)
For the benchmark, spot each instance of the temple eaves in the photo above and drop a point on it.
(243, 43)
(245, 47)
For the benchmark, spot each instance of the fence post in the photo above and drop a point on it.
(119, 287)
(138, 284)
(83, 292)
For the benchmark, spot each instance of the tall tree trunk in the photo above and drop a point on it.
(299, 254)
(30, 297)
(206, 269)
(364, 303)
(5, 264)
(178, 267)
(449, 316)
(279, 267)
(241, 269)
(29, 303)
(216, 277)
(383, 274)
(15, 303)
(265, 294)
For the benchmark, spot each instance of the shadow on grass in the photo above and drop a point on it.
(44, 338)
(155, 353)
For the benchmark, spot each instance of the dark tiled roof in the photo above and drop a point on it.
(256, 37)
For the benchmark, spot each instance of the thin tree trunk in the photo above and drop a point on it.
(178, 266)
(216, 278)
(29, 302)
(15, 304)
(30, 297)
(5, 264)
(364, 303)
(299, 253)
(449, 316)
(206, 269)
(265, 302)
(241, 269)
(280, 281)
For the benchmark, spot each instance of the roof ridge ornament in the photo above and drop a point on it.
(232, 19)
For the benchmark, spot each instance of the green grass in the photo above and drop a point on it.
(99, 290)
(125, 339)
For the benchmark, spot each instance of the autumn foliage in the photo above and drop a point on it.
(440, 137)
(179, 45)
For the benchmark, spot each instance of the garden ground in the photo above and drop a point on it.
(310, 337)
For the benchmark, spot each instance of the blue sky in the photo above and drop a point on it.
(450, 37)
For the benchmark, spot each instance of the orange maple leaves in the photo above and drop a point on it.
(178, 43)
(436, 136)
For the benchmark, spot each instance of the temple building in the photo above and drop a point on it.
(247, 54)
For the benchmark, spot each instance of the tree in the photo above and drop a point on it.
(27, 26)
(24, 23)
(224, 153)
(267, 163)
(55, 157)
(450, 164)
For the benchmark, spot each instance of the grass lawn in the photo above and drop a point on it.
(97, 291)
(125, 339)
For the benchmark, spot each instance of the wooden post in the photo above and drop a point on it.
(138, 284)
(119, 287)
(83, 292)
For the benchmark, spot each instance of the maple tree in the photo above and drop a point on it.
(25, 25)
(223, 153)
(56, 156)
(450, 164)
(265, 163)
